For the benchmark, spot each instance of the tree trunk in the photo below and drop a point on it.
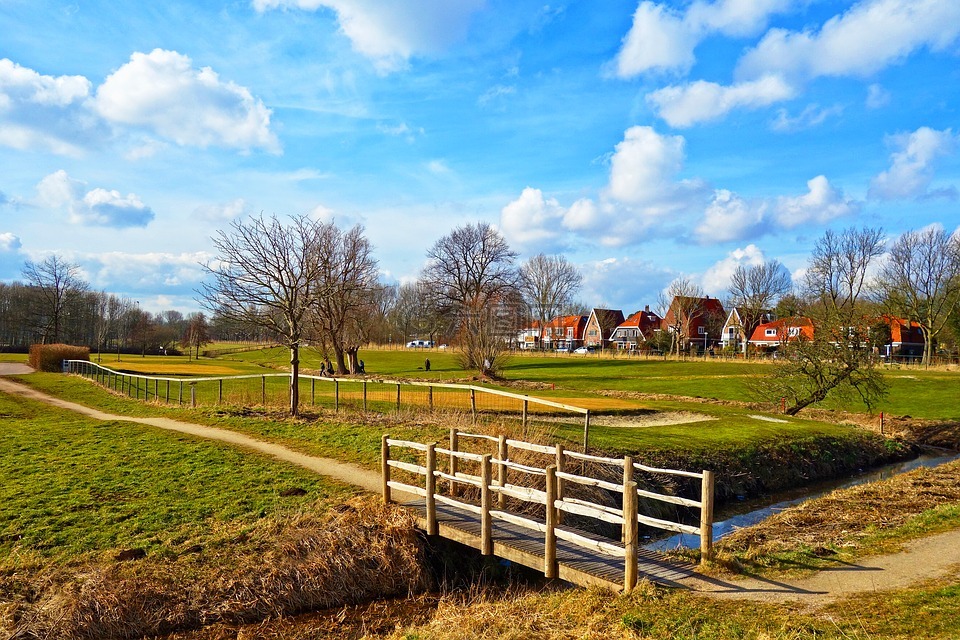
(294, 380)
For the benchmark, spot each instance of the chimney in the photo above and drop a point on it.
(646, 308)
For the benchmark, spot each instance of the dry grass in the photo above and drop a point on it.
(354, 553)
(842, 519)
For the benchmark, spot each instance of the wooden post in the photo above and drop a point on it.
(586, 431)
(398, 397)
(629, 536)
(364, 395)
(502, 471)
(550, 569)
(180, 393)
(454, 461)
(336, 396)
(263, 390)
(431, 497)
(525, 407)
(627, 478)
(561, 461)
(156, 389)
(193, 395)
(706, 518)
(167, 399)
(313, 391)
(385, 467)
(486, 522)
(220, 391)
(473, 404)
(430, 397)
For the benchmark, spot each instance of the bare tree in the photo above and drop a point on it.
(58, 281)
(548, 284)
(838, 359)
(754, 290)
(920, 280)
(682, 304)
(268, 275)
(350, 280)
(470, 273)
(108, 309)
(196, 334)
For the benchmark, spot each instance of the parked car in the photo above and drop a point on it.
(590, 349)
(420, 344)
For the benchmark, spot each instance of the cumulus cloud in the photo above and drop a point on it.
(716, 279)
(222, 212)
(45, 112)
(163, 93)
(624, 283)
(390, 33)
(870, 36)
(663, 39)
(9, 242)
(533, 221)
(822, 203)
(730, 217)
(686, 105)
(95, 207)
(912, 165)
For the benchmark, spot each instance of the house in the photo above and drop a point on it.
(693, 318)
(636, 329)
(734, 331)
(771, 335)
(529, 337)
(563, 332)
(600, 323)
(906, 337)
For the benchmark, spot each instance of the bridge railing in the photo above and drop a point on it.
(553, 497)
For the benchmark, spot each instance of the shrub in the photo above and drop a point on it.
(50, 357)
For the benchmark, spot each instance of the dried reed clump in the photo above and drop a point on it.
(843, 517)
(355, 552)
(50, 357)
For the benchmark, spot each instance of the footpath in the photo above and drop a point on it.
(929, 558)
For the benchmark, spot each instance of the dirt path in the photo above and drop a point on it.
(925, 559)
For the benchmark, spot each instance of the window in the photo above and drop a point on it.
(702, 331)
(794, 332)
(770, 333)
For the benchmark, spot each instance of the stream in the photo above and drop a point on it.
(742, 514)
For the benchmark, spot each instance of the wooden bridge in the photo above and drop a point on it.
(534, 531)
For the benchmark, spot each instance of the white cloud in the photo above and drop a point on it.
(222, 212)
(162, 93)
(730, 217)
(716, 280)
(644, 172)
(912, 165)
(701, 101)
(390, 33)
(96, 207)
(624, 283)
(532, 221)
(662, 39)
(9, 242)
(45, 112)
(813, 115)
(822, 203)
(870, 36)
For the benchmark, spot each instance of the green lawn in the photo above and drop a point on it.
(74, 485)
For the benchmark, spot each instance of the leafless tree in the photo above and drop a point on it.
(920, 280)
(268, 275)
(58, 281)
(196, 334)
(548, 284)
(682, 304)
(754, 291)
(838, 360)
(108, 309)
(470, 273)
(350, 280)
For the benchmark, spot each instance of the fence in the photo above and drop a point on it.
(366, 394)
(423, 475)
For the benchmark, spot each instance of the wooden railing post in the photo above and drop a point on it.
(336, 396)
(431, 497)
(313, 391)
(180, 393)
(586, 431)
(473, 404)
(486, 522)
(220, 391)
(502, 471)
(385, 467)
(364, 395)
(193, 395)
(167, 400)
(706, 518)
(526, 404)
(398, 397)
(454, 461)
(561, 462)
(629, 526)
(550, 569)
(263, 390)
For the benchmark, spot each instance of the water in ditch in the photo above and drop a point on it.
(743, 514)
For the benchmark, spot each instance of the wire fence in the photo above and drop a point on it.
(378, 395)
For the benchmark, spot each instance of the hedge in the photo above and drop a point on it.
(50, 357)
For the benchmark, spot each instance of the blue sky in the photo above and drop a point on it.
(643, 140)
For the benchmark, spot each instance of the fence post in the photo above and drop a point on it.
(220, 391)
(430, 397)
(336, 396)
(364, 395)
(881, 423)
(706, 518)
(473, 404)
(398, 397)
(431, 505)
(502, 470)
(454, 461)
(385, 467)
(313, 391)
(486, 522)
(561, 483)
(629, 536)
(550, 536)
(586, 431)
(627, 477)
(167, 399)
(525, 405)
(180, 393)
(263, 390)
(193, 394)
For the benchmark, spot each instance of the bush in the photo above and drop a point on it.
(50, 357)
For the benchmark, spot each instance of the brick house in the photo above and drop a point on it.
(698, 320)
(600, 324)
(771, 335)
(563, 332)
(636, 329)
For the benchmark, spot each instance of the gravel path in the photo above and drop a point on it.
(925, 559)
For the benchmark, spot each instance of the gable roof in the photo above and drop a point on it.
(781, 329)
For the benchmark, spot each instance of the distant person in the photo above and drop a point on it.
(327, 367)
(426, 364)
(361, 368)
